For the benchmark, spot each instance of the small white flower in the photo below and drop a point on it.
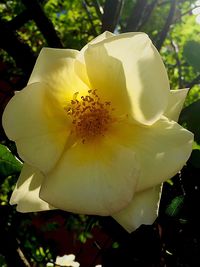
(67, 260)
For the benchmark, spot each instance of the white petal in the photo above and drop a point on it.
(92, 179)
(130, 68)
(99, 38)
(175, 104)
(26, 192)
(46, 58)
(143, 209)
(162, 151)
(39, 127)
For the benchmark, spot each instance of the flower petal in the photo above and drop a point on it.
(58, 72)
(99, 38)
(62, 80)
(39, 128)
(26, 192)
(80, 67)
(143, 209)
(46, 58)
(175, 104)
(67, 260)
(162, 151)
(92, 179)
(130, 67)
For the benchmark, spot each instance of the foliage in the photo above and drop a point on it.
(174, 239)
(9, 164)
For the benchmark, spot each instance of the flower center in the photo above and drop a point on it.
(90, 116)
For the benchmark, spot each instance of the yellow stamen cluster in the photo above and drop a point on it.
(90, 116)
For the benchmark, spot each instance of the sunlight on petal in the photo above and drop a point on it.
(26, 192)
(92, 180)
(143, 209)
(175, 104)
(46, 58)
(137, 71)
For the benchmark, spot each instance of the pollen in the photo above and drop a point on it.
(90, 116)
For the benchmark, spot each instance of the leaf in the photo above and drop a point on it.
(191, 52)
(191, 118)
(9, 164)
(175, 206)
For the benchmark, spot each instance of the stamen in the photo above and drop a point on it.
(90, 116)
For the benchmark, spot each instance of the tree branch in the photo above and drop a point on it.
(136, 15)
(189, 11)
(21, 52)
(112, 10)
(147, 13)
(44, 24)
(19, 20)
(97, 6)
(178, 63)
(23, 258)
(163, 33)
(195, 81)
(85, 5)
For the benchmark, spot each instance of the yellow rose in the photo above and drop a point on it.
(96, 129)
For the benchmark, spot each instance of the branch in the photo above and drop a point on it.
(112, 10)
(97, 6)
(136, 15)
(178, 63)
(23, 258)
(19, 51)
(163, 33)
(183, 14)
(195, 81)
(19, 20)
(85, 5)
(44, 24)
(147, 13)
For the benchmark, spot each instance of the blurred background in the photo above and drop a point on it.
(37, 238)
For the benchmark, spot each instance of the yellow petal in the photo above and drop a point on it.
(62, 80)
(46, 59)
(131, 73)
(162, 151)
(107, 78)
(38, 126)
(143, 209)
(80, 69)
(99, 38)
(92, 179)
(26, 192)
(175, 104)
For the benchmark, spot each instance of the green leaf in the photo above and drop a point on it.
(191, 52)
(9, 164)
(191, 119)
(175, 206)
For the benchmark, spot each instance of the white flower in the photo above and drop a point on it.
(97, 130)
(67, 260)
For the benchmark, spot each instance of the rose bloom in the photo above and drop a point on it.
(97, 130)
